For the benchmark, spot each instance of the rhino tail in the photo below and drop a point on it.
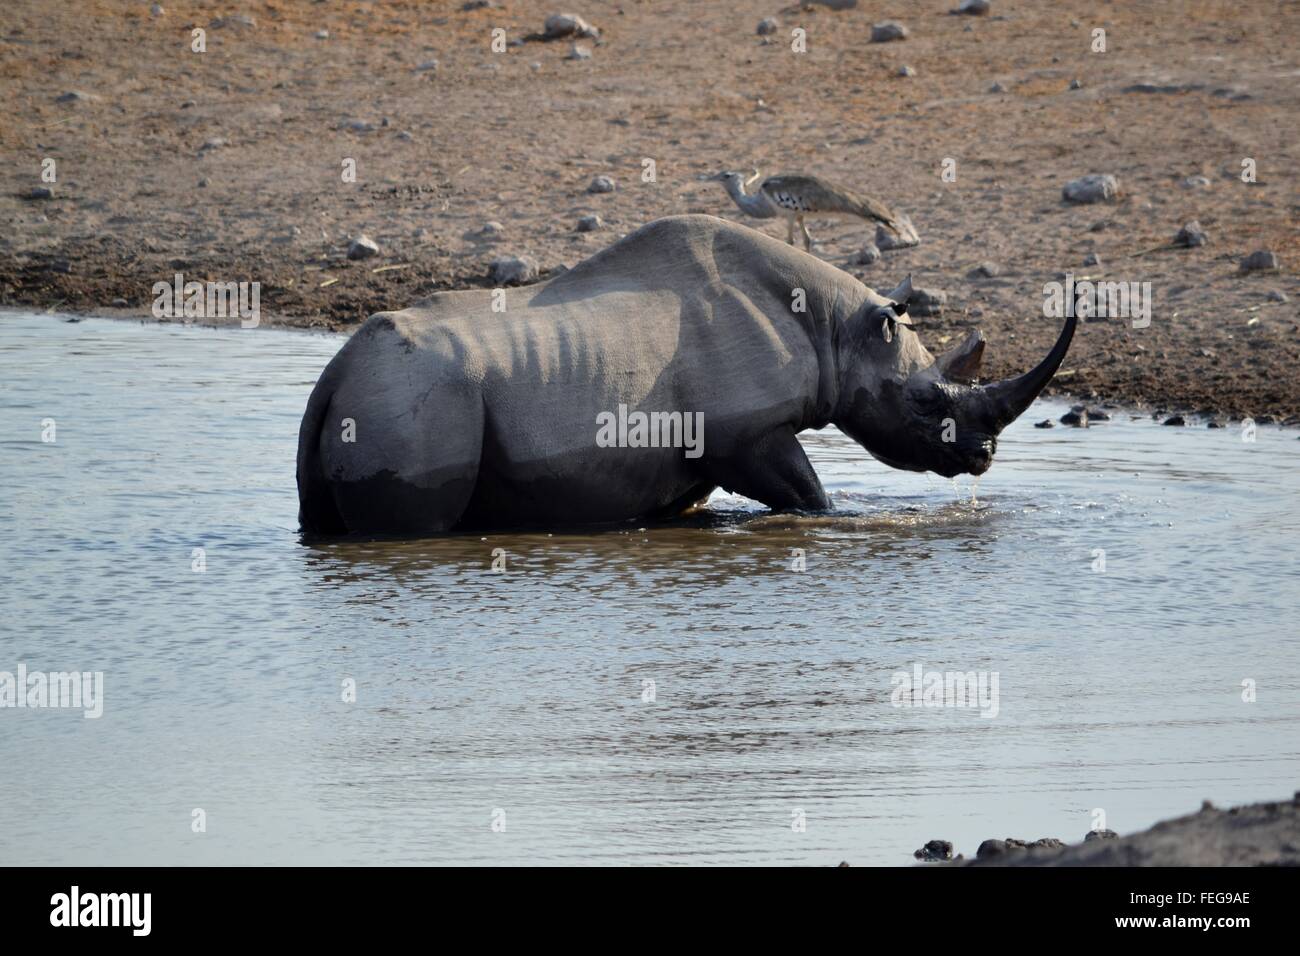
(318, 513)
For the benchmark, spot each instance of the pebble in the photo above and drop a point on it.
(887, 31)
(1045, 423)
(1196, 182)
(935, 850)
(767, 26)
(927, 302)
(869, 254)
(1276, 295)
(39, 192)
(491, 231)
(1076, 417)
(974, 8)
(1092, 260)
(119, 303)
(1098, 415)
(359, 126)
(905, 238)
(560, 25)
(74, 96)
(590, 223)
(322, 34)
(1260, 261)
(1092, 188)
(1191, 235)
(578, 53)
(514, 269)
(362, 247)
(602, 184)
(997, 87)
(405, 136)
(237, 20)
(1076, 85)
(985, 270)
(906, 70)
(1177, 420)
(427, 66)
(990, 849)
(157, 10)
(204, 183)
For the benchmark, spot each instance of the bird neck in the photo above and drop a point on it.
(755, 205)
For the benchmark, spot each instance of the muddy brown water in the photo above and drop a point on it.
(659, 695)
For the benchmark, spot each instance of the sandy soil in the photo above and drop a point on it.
(1184, 89)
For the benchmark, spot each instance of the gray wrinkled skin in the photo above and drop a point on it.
(465, 418)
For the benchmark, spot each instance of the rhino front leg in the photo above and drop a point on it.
(773, 469)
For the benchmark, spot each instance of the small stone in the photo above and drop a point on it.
(1098, 415)
(491, 231)
(74, 96)
(985, 270)
(157, 10)
(904, 238)
(428, 66)
(906, 70)
(578, 53)
(991, 849)
(935, 850)
(1045, 423)
(601, 184)
(1214, 423)
(1092, 188)
(767, 26)
(1100, 835)
(887, 31)
(39, 192)
(1176, 420)
(869, 254)
(238, 20)
(1047, 843)
(204, 183)
(927, 302)
(1196, 182)
(1191, 235)
(1076, 417)
(974, 8)
(211, 144)
(1260, 261)
(322, 34)
(1276, 295)
(510, 270)
(405, 136)
(119, 303)
(1092, 260)
(590, 223)
(560, 25)
(1076, 85)
(358, 126)
(997, 87)
(362, 247)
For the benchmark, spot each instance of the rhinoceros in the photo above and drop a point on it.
(527, 407)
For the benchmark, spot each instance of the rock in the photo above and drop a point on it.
(204, 183)
(985, 270)
(1100, 835)
(904, 238)
(1076, 85)
(1047, 843)
(1177, 420)
(1195, 182)
(906, 70)
(1098, 415)
(157, 10)
(602, 184)
(590, 223)
(1260, 261)
(470, 5)
(1076, 417)
(927, 302)
(935, 850)
(74, 96)
(887, 31)
(767, 26)
(427, 66)
(997, 87)
(405, 136)
(491, 231)
(560, 25)
(211, 144)
(1045, 423)
(39, 192)
(1092, 188)
(995, 848)
(1276, 295)
(1092, 260)
(241, 20)
(1191, 235)
(322, 34)
(973, 8)
(1214, 423)
(578, 53)
(869, 254)
(510, 270)
(358, 126)
(362, 247)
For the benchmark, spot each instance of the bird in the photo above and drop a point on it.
(794, 196)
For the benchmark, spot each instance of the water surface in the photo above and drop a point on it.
(523, 691)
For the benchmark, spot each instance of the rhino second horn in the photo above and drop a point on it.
(961, 363)
(1008, 398)
(903, 292)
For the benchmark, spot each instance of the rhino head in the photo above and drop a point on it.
(918, 412)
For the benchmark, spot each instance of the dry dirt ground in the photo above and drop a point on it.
(227, 164)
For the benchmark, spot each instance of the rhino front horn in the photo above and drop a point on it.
(1007, 399)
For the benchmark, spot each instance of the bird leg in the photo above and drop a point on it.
(807, 236)
(789, 232)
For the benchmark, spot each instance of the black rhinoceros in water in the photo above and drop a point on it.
(686, 357)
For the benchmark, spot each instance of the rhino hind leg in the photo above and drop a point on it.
(772, 469)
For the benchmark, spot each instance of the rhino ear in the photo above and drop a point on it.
(902, 294)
